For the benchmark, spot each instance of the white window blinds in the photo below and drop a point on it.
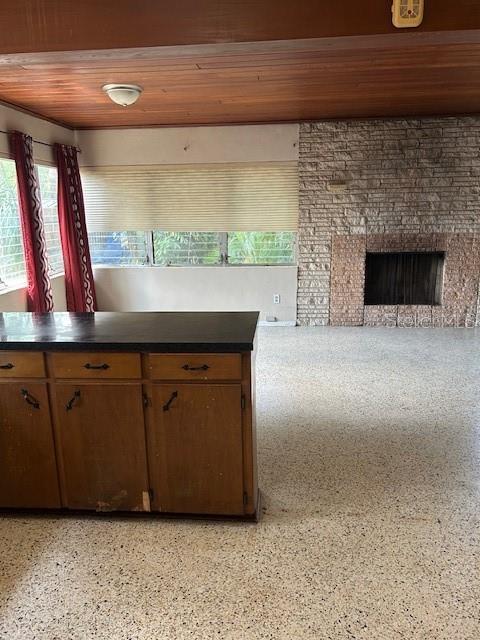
(216, 197)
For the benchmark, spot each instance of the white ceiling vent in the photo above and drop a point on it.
(407, 13)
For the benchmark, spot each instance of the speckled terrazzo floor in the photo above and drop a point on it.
(369, 450)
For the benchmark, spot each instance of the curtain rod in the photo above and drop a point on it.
(45, 144)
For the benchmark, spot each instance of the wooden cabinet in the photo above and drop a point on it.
(196, 448)
(96, 366)
(195, 366)
(171, 433)
(102, 446)
(28, 471)
(18, 364)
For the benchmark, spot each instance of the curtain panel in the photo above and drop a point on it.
(79, 285)
(39, 290)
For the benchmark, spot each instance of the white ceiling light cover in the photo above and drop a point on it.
(123, 94)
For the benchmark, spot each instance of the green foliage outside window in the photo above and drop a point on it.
(184, 248)
(181, 248)
(12, 264)
(259, 247)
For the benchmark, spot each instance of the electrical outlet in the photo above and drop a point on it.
(276, 298)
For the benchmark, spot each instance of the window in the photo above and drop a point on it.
(259, 247)
(201, 214)
(404, 278)
(183, 248)
(12, 263)
(47, 178)
(118, 247)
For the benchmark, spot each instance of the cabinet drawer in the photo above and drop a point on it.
(96, 365)
(195, 366)
(21, 364)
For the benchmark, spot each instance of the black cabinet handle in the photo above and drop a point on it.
(8, 365)
(203, 367)
(166, 406)
(29, 399)
(71, 402)
(103, 366)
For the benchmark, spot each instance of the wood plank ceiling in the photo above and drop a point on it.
(335, 76)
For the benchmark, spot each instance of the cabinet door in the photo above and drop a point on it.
(28, 472)
(103, 446)
(195, 447)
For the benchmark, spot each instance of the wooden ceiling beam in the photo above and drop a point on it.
(39, 26)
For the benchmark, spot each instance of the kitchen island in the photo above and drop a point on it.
(128, 412)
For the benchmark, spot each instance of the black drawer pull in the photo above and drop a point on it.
(103, 366)
(29, 399)
(203, 367)
(71, 402)
(8, 365)
(166, 406)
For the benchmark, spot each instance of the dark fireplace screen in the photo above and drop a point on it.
(404, 278)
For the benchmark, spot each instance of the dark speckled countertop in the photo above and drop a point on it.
(161, 332)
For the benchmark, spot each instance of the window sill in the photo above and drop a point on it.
(13, 288)
(23, 285)
(187, 266)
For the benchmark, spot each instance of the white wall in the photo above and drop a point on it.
(58, 290)
(198, 289)
(13, 300)
(189, 288)
(16, 299)
(194, 288)
(189, 145)
(42, 130)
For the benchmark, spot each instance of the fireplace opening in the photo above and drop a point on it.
(404, 278)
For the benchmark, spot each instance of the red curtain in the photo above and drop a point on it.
(39, 290)
(79, 285)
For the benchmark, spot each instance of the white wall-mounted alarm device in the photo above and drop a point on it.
(407, 13)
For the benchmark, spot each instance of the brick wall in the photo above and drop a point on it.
(347, 279)
(386, 183)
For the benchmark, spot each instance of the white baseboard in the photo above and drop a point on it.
(279, 323)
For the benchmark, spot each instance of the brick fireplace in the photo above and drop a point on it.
(379, 186)
(458, 306)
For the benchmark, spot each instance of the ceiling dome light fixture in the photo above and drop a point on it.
(123, 94)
